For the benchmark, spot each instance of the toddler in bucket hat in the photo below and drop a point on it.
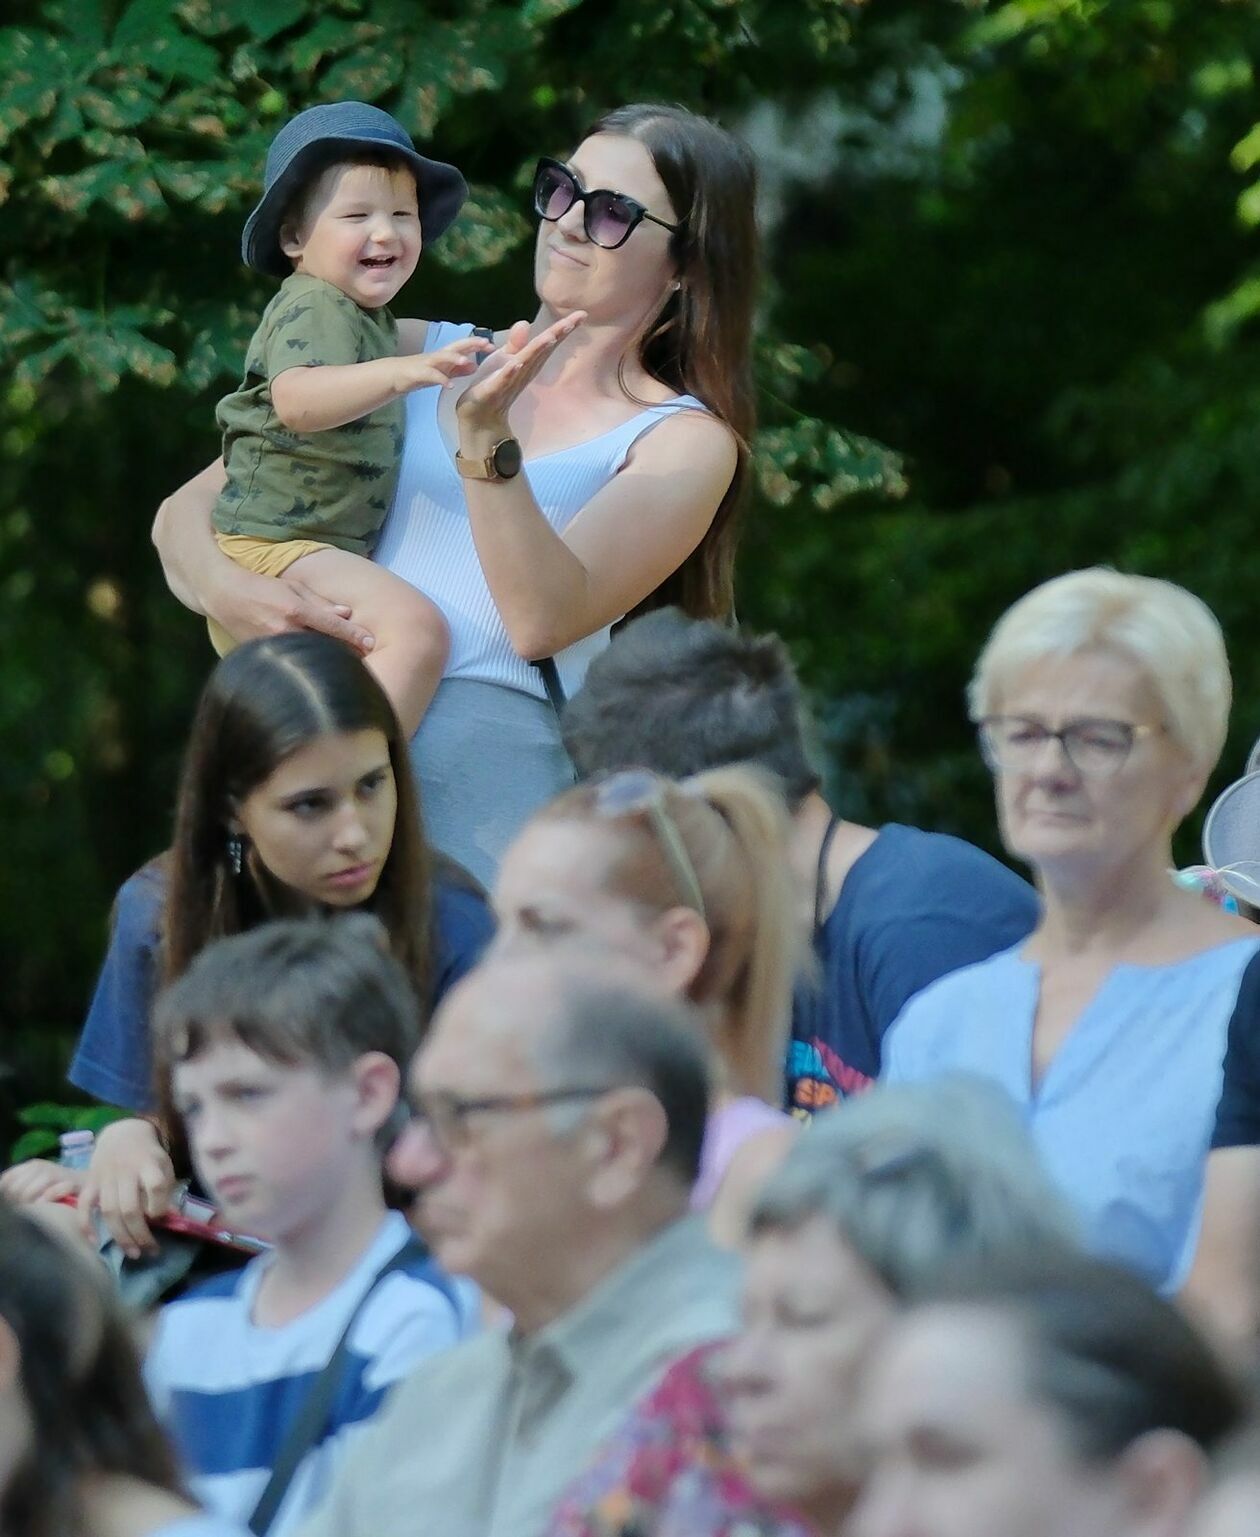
(313, 436)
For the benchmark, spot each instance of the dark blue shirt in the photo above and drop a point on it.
(912, 908)
(1238, 1114)
(113, 1061)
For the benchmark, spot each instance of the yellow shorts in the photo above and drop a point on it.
(269, 557)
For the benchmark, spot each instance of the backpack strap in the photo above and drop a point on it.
(308, 1428)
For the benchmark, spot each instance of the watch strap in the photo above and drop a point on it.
(487, 468)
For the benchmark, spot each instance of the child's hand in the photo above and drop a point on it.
(130, 1179)
(38, 1179)
(421, 369)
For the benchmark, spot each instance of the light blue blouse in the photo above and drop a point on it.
(1123, 1116)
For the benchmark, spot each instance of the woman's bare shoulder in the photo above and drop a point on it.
(690, 434)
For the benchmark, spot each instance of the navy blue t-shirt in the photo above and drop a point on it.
(112, 1061)
(1238, 1113)
(913, 907)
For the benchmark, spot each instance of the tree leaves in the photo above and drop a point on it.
(490, 225)
(31, 64)
(828, 463)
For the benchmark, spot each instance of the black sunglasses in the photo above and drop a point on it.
(609, 218)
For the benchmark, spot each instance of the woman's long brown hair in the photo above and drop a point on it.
(262, 702)
(701, 343)
(80, 1378)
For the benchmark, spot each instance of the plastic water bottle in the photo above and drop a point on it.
(76, 1149)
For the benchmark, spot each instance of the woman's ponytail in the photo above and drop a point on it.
(759, 942)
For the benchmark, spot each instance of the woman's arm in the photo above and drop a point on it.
(203, 578)
(552, 590)
(1223, 1288)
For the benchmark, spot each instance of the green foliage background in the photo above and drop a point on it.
(1009, 328)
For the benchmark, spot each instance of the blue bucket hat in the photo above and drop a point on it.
(306, 140)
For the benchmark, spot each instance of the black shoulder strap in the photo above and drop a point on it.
(820, 879)
(551, 682)
(308, 1427)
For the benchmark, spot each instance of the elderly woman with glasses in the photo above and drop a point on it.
(690, 882)
(1102, 702)
(564, 485)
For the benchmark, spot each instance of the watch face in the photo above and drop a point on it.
(507, 458)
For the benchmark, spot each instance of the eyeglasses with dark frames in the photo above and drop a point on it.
(446, 1115)
(1096, 747)
(640, 792)
(609, 218)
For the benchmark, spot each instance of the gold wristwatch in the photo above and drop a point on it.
(501, 463)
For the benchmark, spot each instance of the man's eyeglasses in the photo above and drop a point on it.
(1095, 747)
(445, 1115)
(609, 218)
(639, 791)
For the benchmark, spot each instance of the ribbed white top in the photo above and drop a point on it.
(427, 539)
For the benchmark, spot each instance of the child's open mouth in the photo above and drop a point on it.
(378, 261)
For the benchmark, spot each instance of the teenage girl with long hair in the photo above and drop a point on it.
(295, 797)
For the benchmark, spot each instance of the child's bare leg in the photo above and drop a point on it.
(412, 641)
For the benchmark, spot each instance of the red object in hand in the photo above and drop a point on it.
(203, 1225)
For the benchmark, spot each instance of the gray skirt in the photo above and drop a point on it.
(485, 757)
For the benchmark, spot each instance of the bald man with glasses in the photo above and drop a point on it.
(558, 1110)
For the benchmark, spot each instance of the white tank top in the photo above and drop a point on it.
(427, 539)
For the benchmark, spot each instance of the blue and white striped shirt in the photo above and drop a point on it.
(228, 1389)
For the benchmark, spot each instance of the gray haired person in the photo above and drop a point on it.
(558, 1113)
(758, 1432)
(862, 1214)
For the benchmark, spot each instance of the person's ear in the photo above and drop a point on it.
(622, 1140)
(1188, 790)
(1163, 1473)
(290, 240)
(377, 1082)
(683, 937)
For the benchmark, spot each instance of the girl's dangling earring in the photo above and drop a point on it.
(235, 852)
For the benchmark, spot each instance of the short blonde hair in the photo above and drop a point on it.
(1168, 632)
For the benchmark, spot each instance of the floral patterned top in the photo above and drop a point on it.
(669, 1471)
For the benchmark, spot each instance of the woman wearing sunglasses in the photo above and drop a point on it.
(691, 881)
(1102, 702)
(595, 462)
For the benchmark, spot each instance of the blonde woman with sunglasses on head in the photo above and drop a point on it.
(690, 881)
(1102, 702)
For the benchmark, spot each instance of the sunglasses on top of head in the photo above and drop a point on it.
(609, 218)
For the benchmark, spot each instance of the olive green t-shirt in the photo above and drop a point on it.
(335, 486)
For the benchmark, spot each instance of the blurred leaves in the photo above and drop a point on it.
(45, 1123)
